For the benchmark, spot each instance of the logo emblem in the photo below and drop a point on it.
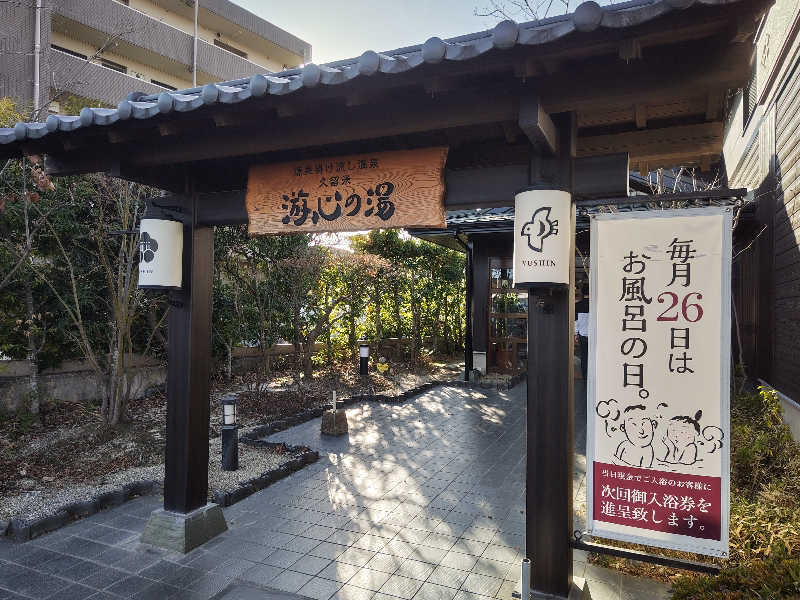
(147, 247)
(539, 228)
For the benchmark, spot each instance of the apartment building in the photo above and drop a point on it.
(97, 51)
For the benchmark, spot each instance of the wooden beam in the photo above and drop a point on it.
(630, 49)
(537, 124)
(337, 125)
(646, 81)
(640, 115)
(484, 188)
(493, 187)
(606, 175)
(654, 145)
(714, 102)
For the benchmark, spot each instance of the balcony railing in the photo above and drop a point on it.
(78, 76)
(157, 37)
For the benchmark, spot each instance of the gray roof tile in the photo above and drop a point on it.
(507, 34)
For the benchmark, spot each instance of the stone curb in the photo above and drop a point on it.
(251, 486)
(22, 530)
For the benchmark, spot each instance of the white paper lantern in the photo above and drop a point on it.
(543, 233)
(160, 254)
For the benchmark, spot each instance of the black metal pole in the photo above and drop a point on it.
(363, 367)
(188, 372)
(550, 411)
(230, 447)
(468, 365)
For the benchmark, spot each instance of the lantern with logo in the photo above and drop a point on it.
(543, 231)
(160, 254)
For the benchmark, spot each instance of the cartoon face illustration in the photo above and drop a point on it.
(681, 433)
(681, 438)
(638, 427)
(539, 228)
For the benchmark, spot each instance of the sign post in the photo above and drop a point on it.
(544, 234)
(659, 369)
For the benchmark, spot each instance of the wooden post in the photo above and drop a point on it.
(550, 411)
(188, 373)
(468, 314)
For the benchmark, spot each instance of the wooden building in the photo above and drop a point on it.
(762, 153)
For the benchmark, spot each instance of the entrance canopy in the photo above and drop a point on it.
(647, 82)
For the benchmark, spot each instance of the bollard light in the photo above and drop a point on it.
(364, 364)
(544, 226)
(230, 434)
(229, 409)
(160, 254)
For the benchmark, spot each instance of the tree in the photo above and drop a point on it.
(523, 10)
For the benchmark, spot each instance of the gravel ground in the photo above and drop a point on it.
(39, 503)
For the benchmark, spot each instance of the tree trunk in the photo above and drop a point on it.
(33, 351)
(328, 347)
(415, 321)
(351, 324)
(297, 345)
(378, 323)
(398, 323)
(229, 361)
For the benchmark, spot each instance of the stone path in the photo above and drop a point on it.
(420, 501)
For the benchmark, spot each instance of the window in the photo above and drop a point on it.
(68, 51)
(163, 85)
(749, 98)
(110, 64)
(230, 48)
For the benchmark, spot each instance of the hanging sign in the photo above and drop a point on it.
(543, 231)
(160, 254)
(378, 190)
(658, 388)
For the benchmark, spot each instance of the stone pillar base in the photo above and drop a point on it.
(183, 532)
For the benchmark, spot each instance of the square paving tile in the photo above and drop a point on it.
(310, 565)
(261, 574)
(448, 577)
(431, 591)
(282, 558)
(351, 592)
(320, 589)
(402, 587)
(339, 571)
(415, 569)
(482, 584)
(369, 579)
(290, 581)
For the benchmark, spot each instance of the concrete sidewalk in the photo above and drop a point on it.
(423, 500)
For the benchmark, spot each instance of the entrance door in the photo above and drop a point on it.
(508, 319)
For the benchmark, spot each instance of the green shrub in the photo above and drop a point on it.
(764, 561)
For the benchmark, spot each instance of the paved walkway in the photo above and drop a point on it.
(420, 501)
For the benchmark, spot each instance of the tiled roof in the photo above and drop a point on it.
(589, 16)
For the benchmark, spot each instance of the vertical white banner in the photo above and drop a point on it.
(659, 368)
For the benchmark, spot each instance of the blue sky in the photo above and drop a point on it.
(339, 29)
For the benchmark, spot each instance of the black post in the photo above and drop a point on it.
(188, 372)
(363, 365)
(548, 492)
(230, 447)
(468, 316)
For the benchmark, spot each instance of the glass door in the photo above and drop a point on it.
(508, 319)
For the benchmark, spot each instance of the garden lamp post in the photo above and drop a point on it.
(230, 434)
(364, 364)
